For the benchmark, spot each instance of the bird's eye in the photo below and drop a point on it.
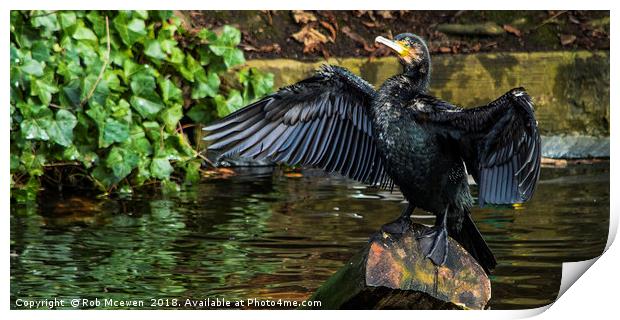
(403, 43)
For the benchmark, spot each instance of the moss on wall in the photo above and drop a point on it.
(570, 89)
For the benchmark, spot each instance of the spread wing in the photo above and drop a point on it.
(499, 143)
(321, 122)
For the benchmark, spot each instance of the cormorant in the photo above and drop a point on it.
(398, 134)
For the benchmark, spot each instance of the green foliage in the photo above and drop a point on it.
(112, 97)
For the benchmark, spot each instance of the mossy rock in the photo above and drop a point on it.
(391, 272)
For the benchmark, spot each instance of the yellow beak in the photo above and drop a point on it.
(391, 44)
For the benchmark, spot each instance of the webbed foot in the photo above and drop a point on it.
(434, 244)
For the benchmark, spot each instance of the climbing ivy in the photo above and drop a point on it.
(113, 94)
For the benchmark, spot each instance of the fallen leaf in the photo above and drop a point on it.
(445, 50)
(359, 13)
(330, 17)
(566, 39)
(225, 171)
(357, 38)
(293, 175)
(303, 17)
(385, 14)
(573, 19)
(550, 162)
(370, 24)
(274, 47)
(311, 38)
(510, 29)
(218, 173)
(331, 29)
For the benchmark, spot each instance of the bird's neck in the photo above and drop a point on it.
(418, 75)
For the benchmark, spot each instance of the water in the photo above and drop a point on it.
(265, 235)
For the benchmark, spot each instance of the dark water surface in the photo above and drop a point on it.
(267, 236)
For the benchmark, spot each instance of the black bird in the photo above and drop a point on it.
(399, 135)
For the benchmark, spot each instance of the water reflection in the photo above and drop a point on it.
(261, 234)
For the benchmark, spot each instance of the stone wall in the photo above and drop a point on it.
(570, 89)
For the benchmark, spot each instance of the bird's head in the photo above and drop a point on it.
(410, 48)
(412, 53)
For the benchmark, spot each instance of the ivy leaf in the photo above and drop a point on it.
(190, 68)
(98, 23)
(232, 56)
(61, 130)
(71, 93)
(43, 90)
(83, 33)
(138, 141)
(164, 14)
(146, 108)
(144, 14)
(161, 168)
(114, 131)
(32, 67)
(256, 84)
(206, 34)
(152, 48)
(46, 20)
(67, 20)
(167, 45)
(171, 116)
(143, 85)
(169, 91)
(230, 36)
(130, 31)
(199, 113)
(34, 127)
(227, 106)
(101, 91)
(206, 87)
(40, 51)
(176, 56)
(225, 46)
(122, 161)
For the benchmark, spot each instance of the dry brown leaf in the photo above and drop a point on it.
(303, 17)
(549, 162)
(445, 50)
(566, 39)
(293, 175)
(359, 13)
(331, 18)
(331, 29)
(311, 38)
(510, 29)
(385, 14)
(370, 24)
(357, 38)
(274, 47)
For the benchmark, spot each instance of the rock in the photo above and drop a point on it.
(391, 272)
(476, 29)
(575, 147)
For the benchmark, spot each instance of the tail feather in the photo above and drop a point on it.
(470, 238)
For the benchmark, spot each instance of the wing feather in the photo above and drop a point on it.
(499, 142)
(323, 121)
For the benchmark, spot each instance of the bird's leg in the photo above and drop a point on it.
(402, 223)
(434, 242)
(406, 214)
